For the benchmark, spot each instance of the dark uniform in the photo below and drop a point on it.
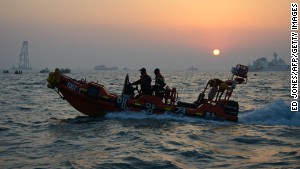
(145, 82)
(159, 83)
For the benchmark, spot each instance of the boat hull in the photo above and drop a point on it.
(83, 104)
(93, 99)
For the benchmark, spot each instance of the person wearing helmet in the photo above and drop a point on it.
(145, 82)
(159, 83)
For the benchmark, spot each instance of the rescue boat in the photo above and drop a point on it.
(93, 99)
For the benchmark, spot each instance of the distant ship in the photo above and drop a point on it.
(103, 67)
(262, 64)
(192, 68)
(125, 68)
(46, 70)
(66, 70)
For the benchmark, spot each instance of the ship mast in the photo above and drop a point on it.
(275, 56)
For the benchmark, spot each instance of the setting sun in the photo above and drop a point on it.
(216, 52)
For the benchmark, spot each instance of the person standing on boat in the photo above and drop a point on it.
(145, 82)
(159, 83)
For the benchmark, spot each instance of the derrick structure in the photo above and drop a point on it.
(24, 59)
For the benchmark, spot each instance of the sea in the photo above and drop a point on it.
(38, 129)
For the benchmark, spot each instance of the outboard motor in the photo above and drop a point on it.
(232, 108)
(128, 90)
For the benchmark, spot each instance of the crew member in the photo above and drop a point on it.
(145, 82)
(159, 83)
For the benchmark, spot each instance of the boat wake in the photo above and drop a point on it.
(168, 117)
(276, 113)
(144, 115)
(172, 117)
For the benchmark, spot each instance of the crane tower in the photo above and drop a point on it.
(24, 59)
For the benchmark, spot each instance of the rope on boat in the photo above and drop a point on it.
(61, 96)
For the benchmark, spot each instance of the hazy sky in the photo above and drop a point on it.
(169, 34)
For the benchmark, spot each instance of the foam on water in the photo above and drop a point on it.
(144, 115)
(172, 117)
(275, 113)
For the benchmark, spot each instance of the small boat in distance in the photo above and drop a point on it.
(5, 71)
(46, 70)
(18, 72)
(103, 67)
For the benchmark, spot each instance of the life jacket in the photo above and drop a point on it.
(160, 80)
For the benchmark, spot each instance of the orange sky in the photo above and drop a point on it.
(236, 27)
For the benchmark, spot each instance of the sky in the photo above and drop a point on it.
(168, 34)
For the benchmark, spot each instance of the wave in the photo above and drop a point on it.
(275, 113)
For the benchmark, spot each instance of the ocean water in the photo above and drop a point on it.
(40, 130)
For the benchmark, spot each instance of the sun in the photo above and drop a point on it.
(216, 52)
